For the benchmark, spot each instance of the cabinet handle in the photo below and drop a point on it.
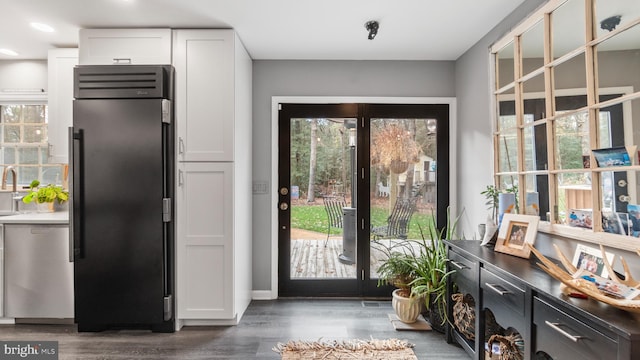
(121, 61)
(180, 178)
(180, 146)
(556, 327)
(494, 287)
(458, 265)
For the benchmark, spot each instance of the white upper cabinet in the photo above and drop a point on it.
(60, 100)
(204, 65)
(125, 46)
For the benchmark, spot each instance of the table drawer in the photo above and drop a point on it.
(564, 337)
(465, 275)
(501, 291)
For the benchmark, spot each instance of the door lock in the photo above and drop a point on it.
(284, 206)
(284, 191)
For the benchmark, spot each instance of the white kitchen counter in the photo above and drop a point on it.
(58, 217)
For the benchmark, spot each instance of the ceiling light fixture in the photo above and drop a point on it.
(610, 23)
(372, 26)
(8, 52)
(42, 27)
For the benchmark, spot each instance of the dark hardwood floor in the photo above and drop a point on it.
(264, 325)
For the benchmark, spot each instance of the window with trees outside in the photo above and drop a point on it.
(23, 144)
(566, 83)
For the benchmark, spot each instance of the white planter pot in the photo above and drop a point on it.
(407, 309)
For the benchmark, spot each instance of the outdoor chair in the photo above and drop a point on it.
(333, 206)
(398, 221)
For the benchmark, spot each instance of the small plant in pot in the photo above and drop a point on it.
(45, 196)
(397, 270)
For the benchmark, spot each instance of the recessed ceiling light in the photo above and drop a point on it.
(8, 52)
(42, 27)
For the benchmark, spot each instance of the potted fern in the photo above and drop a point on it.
(45, 196)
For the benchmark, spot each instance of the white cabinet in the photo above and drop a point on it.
(205, 244)
(206, 72)
(213, 202)
(125, 46)
(60, 100)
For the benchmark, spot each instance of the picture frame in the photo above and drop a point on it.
(591, 260)
(516, 231)
(610, 157)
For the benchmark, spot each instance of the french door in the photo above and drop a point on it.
(343, 171)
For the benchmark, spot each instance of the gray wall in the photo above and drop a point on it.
(475, 150)
(23, 74)
(324, 78)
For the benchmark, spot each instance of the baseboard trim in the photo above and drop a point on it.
(262, 295)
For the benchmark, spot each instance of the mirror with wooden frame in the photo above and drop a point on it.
(563, 88)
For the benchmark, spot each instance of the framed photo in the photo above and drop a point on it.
(615, 156)
(590, 259)
(516, 231)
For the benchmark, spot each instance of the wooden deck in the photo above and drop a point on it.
(310, 259)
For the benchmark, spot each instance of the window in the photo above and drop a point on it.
(565, 83)
(23, 142)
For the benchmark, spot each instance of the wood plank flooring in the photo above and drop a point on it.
(311, 259)
(264, 325)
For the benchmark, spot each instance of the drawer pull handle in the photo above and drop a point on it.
(556, 327)
(458, 265)
(501, 291)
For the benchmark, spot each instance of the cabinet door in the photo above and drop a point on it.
(125, 46)
(60, 99)
(205, 241)
(204, 106)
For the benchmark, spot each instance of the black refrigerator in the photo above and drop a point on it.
(121, 182)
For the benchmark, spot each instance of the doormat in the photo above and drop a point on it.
(390, 349)
(420, 325)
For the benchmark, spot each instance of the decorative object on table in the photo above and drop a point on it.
(45, 196)
(580, 218)
(532, 204)
(633, 211)
(610, 157)
(516, 231)
(586, 161)
(464, 315)
(389, 349)
(490, 233)
(572, 282)
(621, 223)
(590, 259)
(506, 205)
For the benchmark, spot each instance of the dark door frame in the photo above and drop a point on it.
(276, 100)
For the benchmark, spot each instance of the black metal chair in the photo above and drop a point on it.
(398, 221)
(333, 206)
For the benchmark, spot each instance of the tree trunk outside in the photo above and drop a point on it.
(311, 193)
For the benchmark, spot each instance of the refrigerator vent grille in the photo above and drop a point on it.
(119, 81)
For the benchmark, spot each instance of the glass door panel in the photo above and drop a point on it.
(403, 184)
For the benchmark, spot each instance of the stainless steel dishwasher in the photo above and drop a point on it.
(38, 274)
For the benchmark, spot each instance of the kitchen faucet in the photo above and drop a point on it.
(16, 196)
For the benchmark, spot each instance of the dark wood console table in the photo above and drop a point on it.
(522, 296)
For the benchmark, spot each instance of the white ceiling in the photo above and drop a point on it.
(270, 29)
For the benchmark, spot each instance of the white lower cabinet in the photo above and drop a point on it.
(205, 256)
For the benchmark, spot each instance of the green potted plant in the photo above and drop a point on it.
(430, 269)
(45, 196)
(397, 270)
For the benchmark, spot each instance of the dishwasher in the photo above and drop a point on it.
(38, 275)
